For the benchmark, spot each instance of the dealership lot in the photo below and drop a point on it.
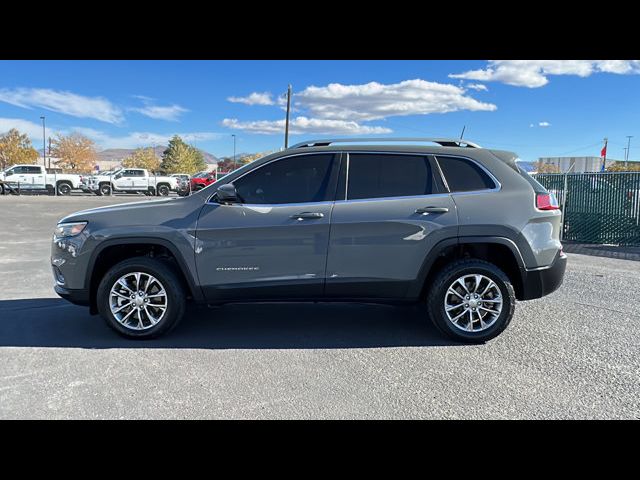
(573, 354)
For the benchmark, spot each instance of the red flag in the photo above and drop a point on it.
(603, 152)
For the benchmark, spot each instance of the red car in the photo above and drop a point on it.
(201, 180)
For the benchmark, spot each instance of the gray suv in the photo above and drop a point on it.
(440, 222)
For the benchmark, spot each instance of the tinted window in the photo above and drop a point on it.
(16, 170)
(299, 179)
(380, 175)
(33, 169)
(463, 175)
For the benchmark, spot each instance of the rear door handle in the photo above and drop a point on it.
(307, 215)
(427, 210)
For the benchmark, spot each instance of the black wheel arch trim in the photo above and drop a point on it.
(416, 289)
(194, 288)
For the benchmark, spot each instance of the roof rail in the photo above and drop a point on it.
(444, 142)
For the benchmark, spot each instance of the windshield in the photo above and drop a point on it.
(200, 175)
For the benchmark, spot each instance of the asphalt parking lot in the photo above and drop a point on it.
(573, 354)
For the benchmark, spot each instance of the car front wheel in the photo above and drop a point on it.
(471, 301)
(141, 298)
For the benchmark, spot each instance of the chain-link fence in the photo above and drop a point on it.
(598, 207)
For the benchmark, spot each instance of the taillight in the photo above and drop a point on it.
(546, 201)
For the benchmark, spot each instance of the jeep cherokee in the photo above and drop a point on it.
(462, 230)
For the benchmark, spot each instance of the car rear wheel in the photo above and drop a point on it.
(64, 188)
(471, 301)
(163, 190)
(141, 298)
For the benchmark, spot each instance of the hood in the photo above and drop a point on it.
(133, 213)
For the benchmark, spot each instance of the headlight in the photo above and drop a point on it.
(69, 229)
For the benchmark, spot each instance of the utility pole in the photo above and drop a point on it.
(626, 157)
(49, 153)
(286, 125)
(44, 145)
(234, 150)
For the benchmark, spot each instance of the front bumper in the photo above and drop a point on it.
(543, 281)
(77, 297)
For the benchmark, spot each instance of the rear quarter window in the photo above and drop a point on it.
(463, 175)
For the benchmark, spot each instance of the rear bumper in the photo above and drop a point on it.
(77, 297)
(540, 282)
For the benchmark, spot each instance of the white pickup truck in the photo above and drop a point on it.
(132, 180)
(35, 177)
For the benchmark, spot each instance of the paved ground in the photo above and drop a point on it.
(574, 354)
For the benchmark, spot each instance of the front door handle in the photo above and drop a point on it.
(307, 215)
(428, 210)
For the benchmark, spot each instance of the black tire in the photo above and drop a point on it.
(163, 190)
(50, 190)
(105, 189)
(165, 273)
(437, 291)
(64, 188)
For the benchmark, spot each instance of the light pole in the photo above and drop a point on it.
(286, 123)
(234, 150)
(44, 145)
(626, 157)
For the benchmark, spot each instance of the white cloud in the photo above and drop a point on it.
(534, 73)
(303, 125)
(544, 124)
(256, 98)
(477, 86)
(170, 113)
(374, 100)
(32, 129)
(63, 102)
(141, 139)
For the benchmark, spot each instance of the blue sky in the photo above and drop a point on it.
(536, 108)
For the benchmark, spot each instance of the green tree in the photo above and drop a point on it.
(76, 152)
(15, 147)
(142, 158)
(180, 157)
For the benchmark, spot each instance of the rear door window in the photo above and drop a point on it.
(376, 175)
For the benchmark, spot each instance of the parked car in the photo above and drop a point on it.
(35, 177)
(132, 180)
(454, 227)
(201, 180)
(183, 187)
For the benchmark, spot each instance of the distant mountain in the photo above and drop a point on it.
(118, 154)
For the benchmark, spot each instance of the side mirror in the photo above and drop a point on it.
(227, 194)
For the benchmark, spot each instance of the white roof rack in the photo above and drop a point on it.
(444, 142)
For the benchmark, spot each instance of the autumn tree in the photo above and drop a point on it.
(16, 148)
(621, 167)
(179, 157)
(226, 164)
(542, 167)
(142, 158)
(76, 152)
